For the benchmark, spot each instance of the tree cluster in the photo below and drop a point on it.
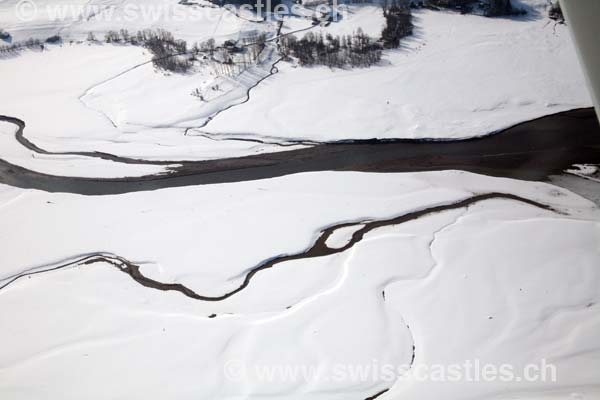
(260, 6)
(255, 43)
(232, 59)
(208, 46)
(499, 8)
(398, 24)
(53, 39)
(168, 52)
(555, 12)
(357, 50)
(453, 4)
(4, 35)
(14, 47)
(489, 8)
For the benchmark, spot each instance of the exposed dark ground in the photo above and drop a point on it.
(533, 150)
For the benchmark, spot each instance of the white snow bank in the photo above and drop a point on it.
(127, 98)
(367, 17)
(507, 288)
(433, 283)
(68, 165)
(54, 105)
(459, 76)
(587, 171)
(44, 90)
(188, 233)
(342, 236)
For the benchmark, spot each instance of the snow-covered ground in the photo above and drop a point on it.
(499, 281)
(54, 92)
(458, 76)
(68, 165)
(350, 17)
(58, 102)
(75, 19)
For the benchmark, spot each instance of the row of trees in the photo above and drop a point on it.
(28, 44)
(168, 53)
(141, 38)
(357, 50)
(398, 24)
(173, 55)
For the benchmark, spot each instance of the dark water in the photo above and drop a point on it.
(533, 150)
